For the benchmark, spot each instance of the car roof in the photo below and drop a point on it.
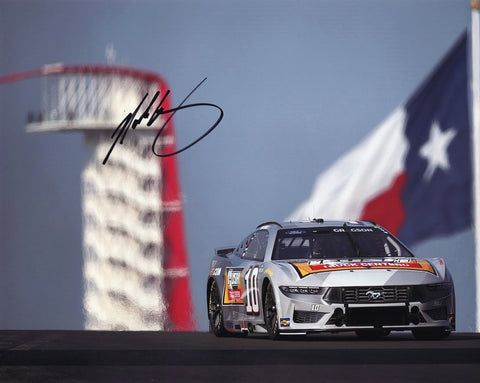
(317, 222)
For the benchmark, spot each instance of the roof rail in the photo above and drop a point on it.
(268, 223)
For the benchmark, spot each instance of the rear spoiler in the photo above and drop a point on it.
(223, 251)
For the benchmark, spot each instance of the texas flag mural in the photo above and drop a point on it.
(413, 173)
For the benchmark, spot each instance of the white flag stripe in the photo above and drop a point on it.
(366, 171)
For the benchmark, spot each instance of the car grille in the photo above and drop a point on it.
(306, 316)
(388, 294)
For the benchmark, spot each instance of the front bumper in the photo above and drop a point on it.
(304, 313)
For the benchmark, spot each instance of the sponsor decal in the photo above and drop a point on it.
(269, 272)
(295, 232)
(215, 271)
(284, 322)
(307, 268)
(233, 286)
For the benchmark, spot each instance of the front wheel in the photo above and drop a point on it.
(270, 313)
(215, 312)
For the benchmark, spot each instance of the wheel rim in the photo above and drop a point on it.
(214, 309)
(271, 310)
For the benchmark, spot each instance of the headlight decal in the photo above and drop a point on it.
(288, 290)
(426, 293)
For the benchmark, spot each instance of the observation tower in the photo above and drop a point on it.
(135, 269)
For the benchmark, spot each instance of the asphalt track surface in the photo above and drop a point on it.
(100, 356)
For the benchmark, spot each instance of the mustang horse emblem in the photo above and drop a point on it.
(374, 295)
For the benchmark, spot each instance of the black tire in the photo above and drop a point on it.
(431, 333)
(215, 312)
(270, 313)
(372, 334)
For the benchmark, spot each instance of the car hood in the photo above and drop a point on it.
(366, 272)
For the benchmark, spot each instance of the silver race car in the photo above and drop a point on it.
(305, 277)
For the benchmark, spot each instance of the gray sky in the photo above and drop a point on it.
(300, 83)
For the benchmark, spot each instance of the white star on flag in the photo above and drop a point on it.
(435, 150)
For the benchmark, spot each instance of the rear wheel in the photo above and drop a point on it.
(215, 312)
(270, 313)
(430, 333)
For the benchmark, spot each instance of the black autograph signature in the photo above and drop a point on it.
(129, 122)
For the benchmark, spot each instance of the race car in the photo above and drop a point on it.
(322, 275)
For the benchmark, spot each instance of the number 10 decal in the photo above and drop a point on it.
(251, 284)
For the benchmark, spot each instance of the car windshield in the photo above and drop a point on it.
(337, 243)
